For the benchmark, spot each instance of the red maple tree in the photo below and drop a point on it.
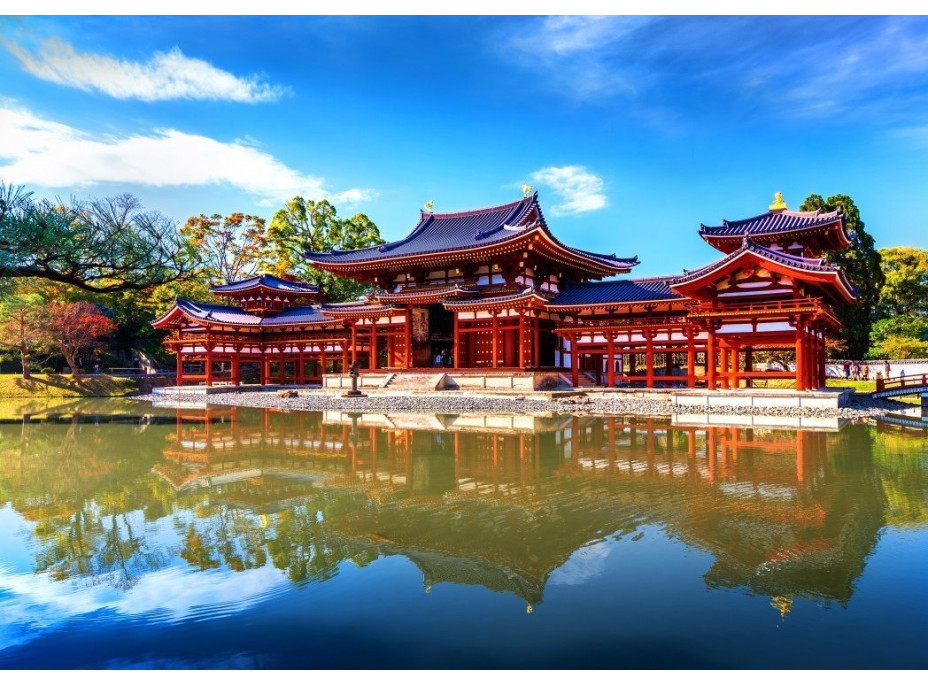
(77, 327)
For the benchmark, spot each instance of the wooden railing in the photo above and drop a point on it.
(910, 381)
(765, 306)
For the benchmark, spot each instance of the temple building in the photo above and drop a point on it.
(494, 291)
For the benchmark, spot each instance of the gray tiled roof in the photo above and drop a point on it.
(615, 291)
(235, 316)
(436, 233)
(268, 281)
(772, 222)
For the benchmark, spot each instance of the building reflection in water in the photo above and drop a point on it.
(504, 501)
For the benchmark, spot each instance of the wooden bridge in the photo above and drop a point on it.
(901, 385)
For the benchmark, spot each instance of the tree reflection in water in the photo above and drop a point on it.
(498, 502)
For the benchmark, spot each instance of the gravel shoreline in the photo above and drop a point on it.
(861, 406)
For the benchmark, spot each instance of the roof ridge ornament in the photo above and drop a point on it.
(778, 203)
(428, 206)
(526, 190)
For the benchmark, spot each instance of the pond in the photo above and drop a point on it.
(139, 536)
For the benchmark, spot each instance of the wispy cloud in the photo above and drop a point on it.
(844, 68)
(54, 155)
(167, 75)
(575, 51)
(880, 68)
(578, 189)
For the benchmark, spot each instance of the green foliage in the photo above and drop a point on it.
(231, 248)
(862, 265)
(105, 245)
(315, 226)
(906, 289)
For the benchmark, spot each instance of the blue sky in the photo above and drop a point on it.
(634, 130)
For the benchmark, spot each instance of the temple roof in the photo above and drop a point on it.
(619, 291)
(808, 265)
(267, 282)
(773, 223)
(228, 315)
(508, 299)
(473, 229)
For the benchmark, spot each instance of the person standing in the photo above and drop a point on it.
(847, 370)
(886, 369)
(865, 372)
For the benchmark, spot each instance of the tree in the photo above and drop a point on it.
(314, 225)
(906, 289)
(230, 247)
(104, 246)
(75, 328)
(22, 329)
(862, 265)
(900, 337)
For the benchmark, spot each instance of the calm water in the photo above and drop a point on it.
(131, 535)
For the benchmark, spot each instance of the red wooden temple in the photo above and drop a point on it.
(494, 290)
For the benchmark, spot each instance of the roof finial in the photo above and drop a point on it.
(428, 206)
(526, 189)
(778, 203)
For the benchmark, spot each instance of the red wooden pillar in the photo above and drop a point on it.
(390, 351)
(344, 356)
(800, 358)
(536, 345)
(710, 361)
(301, 367)
(723, 366)
(495, 336)
(322, 369)
(735, 363)
(456, 343)
(522, 339)
(375, 354)
(649, 360)
(354, 342)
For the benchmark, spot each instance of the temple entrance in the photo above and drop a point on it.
(441, 337)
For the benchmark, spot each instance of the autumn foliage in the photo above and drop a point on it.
(75, 328)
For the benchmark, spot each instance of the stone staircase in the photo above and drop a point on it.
(412, 382)
(585, 380)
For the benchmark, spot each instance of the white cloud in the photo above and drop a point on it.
(46, 153)
(578, 189)
(574, 52)
(167, 75)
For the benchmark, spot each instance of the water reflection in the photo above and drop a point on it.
(498, 502)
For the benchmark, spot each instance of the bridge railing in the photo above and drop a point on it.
(898, 382)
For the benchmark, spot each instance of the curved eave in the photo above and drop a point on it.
(725, 241)
(434, 295)
(364, 311)
(614, 304)
(492, 248)
(834, 277)
(263, 289)
(494, 303)
(178, 313)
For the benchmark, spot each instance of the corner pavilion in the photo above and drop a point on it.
(497, 292)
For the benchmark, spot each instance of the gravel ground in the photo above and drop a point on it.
(861, 406)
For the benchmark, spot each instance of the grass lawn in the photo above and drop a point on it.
(64, 386)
